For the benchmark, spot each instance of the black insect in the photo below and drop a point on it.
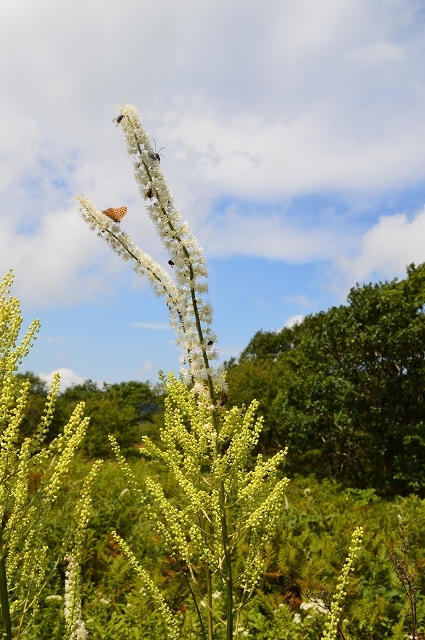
(171, 263)
(149, 193)
(210, 343)
(118, 119)
(157, 155)
(223, 399)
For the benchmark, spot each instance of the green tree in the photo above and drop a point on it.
(351, 401)
(34, 409)
(115, 409)
(258, 378)
(344, 390)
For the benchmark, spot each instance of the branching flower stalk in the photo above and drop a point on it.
(75, 627)
(25, 565)
(334, 614)
(227, 502)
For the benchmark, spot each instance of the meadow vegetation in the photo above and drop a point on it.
(302, 563)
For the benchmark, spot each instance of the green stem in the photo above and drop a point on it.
(195, 603)
(4, 595)
(228, 566)
(210, 604)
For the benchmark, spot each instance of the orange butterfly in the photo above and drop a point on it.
(115, 214)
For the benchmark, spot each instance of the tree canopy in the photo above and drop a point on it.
(114, 409)
(345, 389)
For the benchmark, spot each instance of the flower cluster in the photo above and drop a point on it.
(190, 314)
(73, 615)
(76, 629)
(24, 554)
(143, 264)
(149, 588)
(331, 625)
(191, 526)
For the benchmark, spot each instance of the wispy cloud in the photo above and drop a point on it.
(146, 369)
(162, 326)
(301, 300)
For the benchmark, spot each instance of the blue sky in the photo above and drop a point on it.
(294, 142)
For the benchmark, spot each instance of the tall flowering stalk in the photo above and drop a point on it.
(190, 314)
(334, 613)
(75, 626)
(25, 563)
(228, 506)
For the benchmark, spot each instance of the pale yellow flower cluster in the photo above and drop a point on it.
(24, 560)
(75, 627)
(212, 477)
(331, 626)
(150, 589)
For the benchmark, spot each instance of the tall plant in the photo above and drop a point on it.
(219, 526)
(25, 562)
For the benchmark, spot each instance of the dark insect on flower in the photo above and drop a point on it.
(171, 263)
(115, 214)
(210, 343)
(223, 399)
(149, 193)
(157, 154)
(118, 119)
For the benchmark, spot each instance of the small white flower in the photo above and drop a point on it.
(297, 618)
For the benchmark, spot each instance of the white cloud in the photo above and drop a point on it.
(256, 235)
(162, 326)
(146, 369)
(303, 97)
(67, 376)
(302, 300)
(386, 249)
(293, 320)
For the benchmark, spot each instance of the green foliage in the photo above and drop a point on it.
(125, 410)
(34, 408)
(114, 409)
(303, 561)
(344, 390)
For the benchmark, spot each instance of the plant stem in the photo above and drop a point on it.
(210, 604)
(4, 595)
(228, 563)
